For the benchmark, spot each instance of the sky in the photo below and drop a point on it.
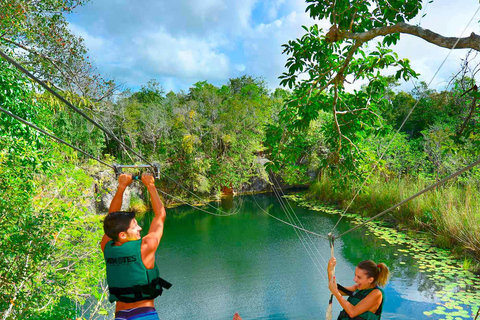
(179, 43)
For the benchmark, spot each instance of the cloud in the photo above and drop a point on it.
(189, 57)
(185, 41)
(262, 44)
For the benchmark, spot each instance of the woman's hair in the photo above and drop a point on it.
(379, 272)
(116, 222)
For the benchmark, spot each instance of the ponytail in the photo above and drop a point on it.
(379, 272)
(383, 275)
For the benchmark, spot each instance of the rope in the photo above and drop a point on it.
(41, 83)
(328, 315)
(53, 137)
(401, 126)
(453, 175)
(305, 245)
(478, 313)
(300, 236)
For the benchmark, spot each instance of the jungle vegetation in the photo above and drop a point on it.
(314, 130)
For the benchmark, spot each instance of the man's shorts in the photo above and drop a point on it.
(143, 313)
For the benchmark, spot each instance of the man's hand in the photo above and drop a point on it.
(148, 180)
(124, 180)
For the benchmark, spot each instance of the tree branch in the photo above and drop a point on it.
(471, 42)
(470, 114)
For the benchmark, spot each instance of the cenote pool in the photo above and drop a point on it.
(253, 264)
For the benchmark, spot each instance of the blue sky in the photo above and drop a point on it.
(181, 42)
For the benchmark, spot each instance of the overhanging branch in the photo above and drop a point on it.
(470, 42)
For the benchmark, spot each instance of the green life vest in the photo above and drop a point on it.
(357, 296)
(127, 277)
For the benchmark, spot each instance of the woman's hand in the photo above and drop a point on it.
(332, 286)
(331, 264)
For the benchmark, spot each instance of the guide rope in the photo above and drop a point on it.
(306, 243)
(328, 315)
(289, 224)
(303, 241)
(281, 199)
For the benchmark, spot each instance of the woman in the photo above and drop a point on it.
(365, 299)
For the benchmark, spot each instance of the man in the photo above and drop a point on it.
(132, 274)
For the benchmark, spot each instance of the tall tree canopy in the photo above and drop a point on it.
(38, 33)
(322, 62)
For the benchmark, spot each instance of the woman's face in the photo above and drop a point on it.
(362, 280)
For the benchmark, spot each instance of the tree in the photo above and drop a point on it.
(322, 62)
(50, 257)
(37, 33)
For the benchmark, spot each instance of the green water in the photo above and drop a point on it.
(253, 264)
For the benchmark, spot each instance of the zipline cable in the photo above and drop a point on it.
(53, 137)
(66, 102)
(194, 207)
(307, 247)
(89, 155)
(403, 123)
(300, 236)
(453, 175)
(282, 198)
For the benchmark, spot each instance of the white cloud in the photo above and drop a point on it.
(183, 57)
(240, 67)
(448, 19)
(93, 43)
(185, 41)
(263, 43)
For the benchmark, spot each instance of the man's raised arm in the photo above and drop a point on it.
(124, 180)
(156, 227)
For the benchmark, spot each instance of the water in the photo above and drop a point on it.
(252, 264)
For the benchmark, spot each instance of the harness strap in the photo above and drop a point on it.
(344, 290)
(141, 292)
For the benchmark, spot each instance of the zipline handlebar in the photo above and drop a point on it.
(118, 168)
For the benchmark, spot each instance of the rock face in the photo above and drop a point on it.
(263, 182)
(105, 187)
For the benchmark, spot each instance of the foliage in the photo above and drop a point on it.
(206, 139)
(37, 32)
(49, 245)
(319, 67)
